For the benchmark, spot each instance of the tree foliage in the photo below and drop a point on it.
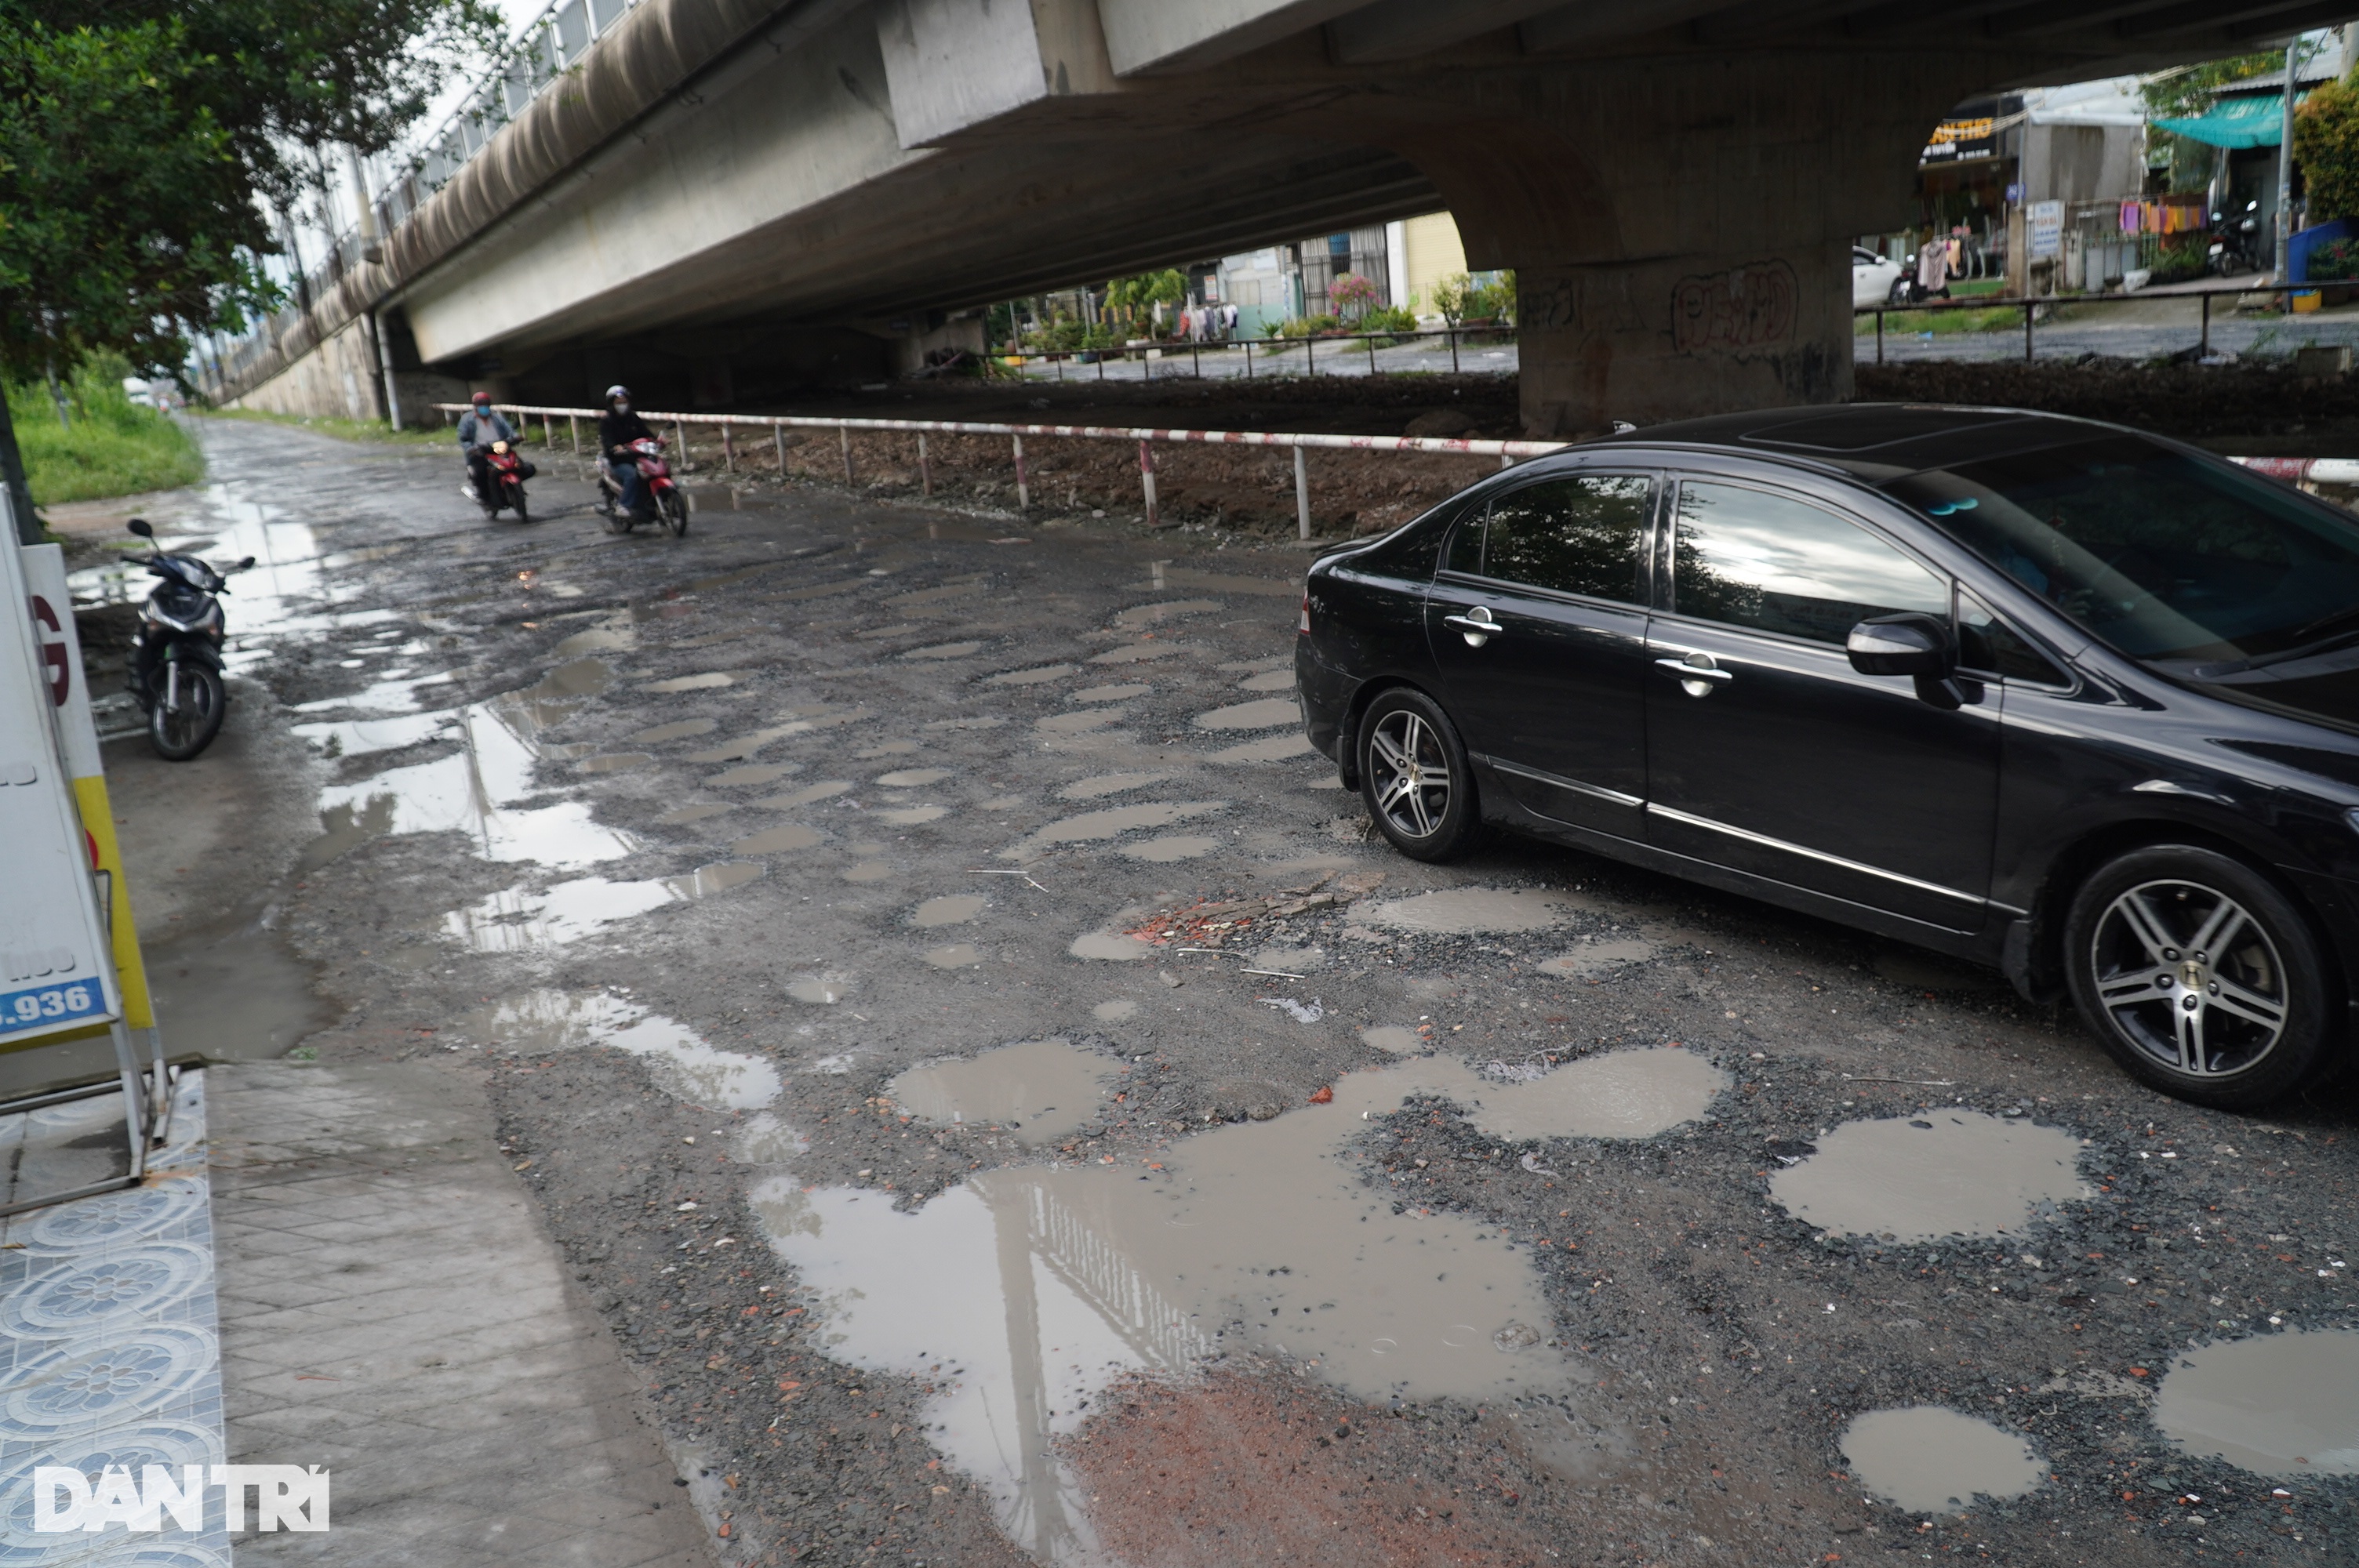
(2187, 90)
(2326, 145)
(1148, 289)
(142, 140)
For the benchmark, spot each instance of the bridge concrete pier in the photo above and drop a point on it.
(1680, 229)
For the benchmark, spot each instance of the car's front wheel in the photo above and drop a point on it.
(1414, 777)
(2200, 976)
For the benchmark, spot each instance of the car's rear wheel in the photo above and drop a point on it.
(1414, 777)
(2200, 976)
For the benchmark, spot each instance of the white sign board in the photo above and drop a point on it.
(55, 972)
(2046, 219)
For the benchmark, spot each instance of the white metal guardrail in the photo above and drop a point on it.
(1146, 439)
(2293, 470)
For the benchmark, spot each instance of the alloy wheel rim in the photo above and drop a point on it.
(1411, 774)
(2189, 977)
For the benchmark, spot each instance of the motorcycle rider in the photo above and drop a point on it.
(478, 428)
(617, 428)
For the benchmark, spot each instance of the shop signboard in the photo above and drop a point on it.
(1957, 139)
(2046, 221)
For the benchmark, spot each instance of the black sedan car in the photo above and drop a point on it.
(2048, 694)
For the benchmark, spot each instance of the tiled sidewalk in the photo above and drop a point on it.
(108, 1350)
(390, 1310)
(387, 1309)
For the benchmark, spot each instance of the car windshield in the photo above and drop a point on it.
(2167, 557)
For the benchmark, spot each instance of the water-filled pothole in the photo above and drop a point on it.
(517, 920)
(951, 909)
(1042, 1089)
(2282, 1404)
(682, 1064)
(1091, 827)
(1256, 1235)
(1940, 1173)
(473, 792)
(826, 789)
(1107, 784)
(1930, 1458)
(1464, 912)
(1165, 850)
(1265, 713)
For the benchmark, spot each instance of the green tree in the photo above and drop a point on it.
(1140, 294)
(1450, 295)
(2184, 92)
(142, 141)
(2326, 145)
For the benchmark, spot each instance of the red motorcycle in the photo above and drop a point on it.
(661, 501)
(504, 469)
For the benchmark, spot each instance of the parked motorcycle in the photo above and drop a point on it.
(176, 653)
(504, 469)
(2235, 243)
(661, 501)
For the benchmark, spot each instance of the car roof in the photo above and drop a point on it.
(1876, 441)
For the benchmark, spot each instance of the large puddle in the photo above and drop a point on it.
(517, 920)
(1042, 1090)
(1930, 1458)
(1940, 1172)
(2282, 1404)
(682, 1064)
(1256, 1236)
(475, 790)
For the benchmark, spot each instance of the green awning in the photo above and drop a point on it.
(2257, 121)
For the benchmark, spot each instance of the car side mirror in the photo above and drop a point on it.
(140, 526)
(1911, 643)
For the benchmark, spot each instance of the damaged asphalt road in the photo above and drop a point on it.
(1527, 1210)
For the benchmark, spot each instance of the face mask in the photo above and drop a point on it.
(622, 408)
(483, 408)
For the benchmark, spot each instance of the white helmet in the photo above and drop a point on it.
(617, 390)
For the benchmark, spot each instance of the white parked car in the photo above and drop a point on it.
(1874, 279)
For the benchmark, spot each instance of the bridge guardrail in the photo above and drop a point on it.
(2032, 305)
(1146, 437)
(1193, 350)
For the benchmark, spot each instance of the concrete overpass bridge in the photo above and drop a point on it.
(724, 200)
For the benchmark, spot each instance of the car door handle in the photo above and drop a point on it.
(1696, 674)
(1476, 626)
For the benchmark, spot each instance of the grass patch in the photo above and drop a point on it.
(111, 446)
(341, 429)
(1941, 324)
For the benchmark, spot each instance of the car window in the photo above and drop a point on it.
(1747, 557)
(2166, 554)
(1988, 645)
(1585, 535)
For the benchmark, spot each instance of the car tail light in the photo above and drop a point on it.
(1305, 625)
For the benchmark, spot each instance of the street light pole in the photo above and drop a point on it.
(2285, 178)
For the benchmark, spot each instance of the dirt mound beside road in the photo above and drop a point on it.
(2252, 409)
